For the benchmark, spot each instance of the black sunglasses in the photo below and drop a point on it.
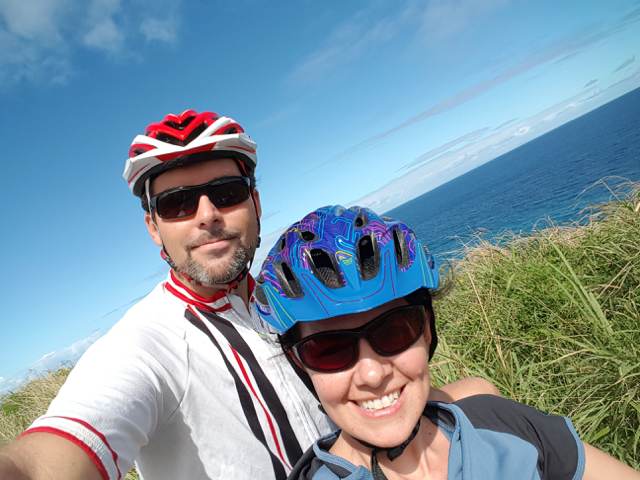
(183, 201)
(391, 333)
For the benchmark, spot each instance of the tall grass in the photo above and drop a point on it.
(20, 408)
(552, 319)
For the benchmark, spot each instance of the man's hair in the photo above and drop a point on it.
(244, 170)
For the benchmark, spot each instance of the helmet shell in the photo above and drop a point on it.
(168, 144)
(338, 261)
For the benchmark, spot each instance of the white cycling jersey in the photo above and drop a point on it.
(186, 387)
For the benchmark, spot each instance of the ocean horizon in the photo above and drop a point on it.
(549, 179)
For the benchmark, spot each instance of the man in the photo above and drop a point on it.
(184, 384)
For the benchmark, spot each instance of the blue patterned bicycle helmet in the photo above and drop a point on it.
(338, 261)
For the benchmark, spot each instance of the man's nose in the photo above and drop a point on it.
(207, 212)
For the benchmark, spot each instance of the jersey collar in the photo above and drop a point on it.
(219, 302)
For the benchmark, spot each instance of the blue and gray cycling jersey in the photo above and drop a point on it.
(491, 438)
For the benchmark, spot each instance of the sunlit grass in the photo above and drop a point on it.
(552, 319)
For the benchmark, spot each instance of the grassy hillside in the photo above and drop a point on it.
(552, 318)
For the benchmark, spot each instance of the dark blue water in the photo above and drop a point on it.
(545, 178)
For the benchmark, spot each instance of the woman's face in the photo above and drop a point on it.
(380, 399)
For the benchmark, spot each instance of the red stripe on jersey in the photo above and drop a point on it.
(266, 412)
(216, 296)
(92, 455)
(191, 301)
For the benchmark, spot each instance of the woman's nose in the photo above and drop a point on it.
(371, 369)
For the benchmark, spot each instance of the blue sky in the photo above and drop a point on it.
(369, 102)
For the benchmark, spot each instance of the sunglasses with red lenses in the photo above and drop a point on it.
(183, 201)
(391, 333)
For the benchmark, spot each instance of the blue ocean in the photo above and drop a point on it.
(551, 177)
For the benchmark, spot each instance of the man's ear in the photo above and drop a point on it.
(256, 201)
(153, 229)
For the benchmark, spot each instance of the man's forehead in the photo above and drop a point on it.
(194, 174)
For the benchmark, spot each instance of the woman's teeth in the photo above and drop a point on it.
(380, 403)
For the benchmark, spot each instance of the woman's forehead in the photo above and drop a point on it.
(348, 322)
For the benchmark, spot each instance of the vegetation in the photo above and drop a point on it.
(551, 318)
(20, 408)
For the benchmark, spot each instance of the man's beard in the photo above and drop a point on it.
(240, 258)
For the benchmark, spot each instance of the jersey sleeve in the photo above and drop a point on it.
(122, 390)
(560, 450)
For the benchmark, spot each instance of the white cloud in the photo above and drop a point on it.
(9, 384)
(625, 64)
(444, 18)
(38, 38)
(50, 362)
(105, 36)
(156, 29)
(349, 41)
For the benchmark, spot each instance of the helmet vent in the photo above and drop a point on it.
(368, 256)
(137, 151)
(258, 292)
(230, 130)
(362, 220)
(287, 279)
(196, 132)
(401, 249)
(179, 126)
(163, 137)
(307, 236)
(324, 268)
(282, 244)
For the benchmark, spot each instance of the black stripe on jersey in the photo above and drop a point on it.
(549, 434)
(244, 396)
(224, 326)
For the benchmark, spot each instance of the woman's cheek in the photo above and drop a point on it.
(331, 387)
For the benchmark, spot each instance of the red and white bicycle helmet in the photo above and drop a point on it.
(174, 141)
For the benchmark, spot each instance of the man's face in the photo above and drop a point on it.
(214, 245)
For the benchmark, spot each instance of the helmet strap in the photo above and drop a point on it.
(392, 453)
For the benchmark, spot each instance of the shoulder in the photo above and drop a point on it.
(318, 464)
(499, 414)
(551, 438)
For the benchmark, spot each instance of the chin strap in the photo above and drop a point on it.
(392, 453)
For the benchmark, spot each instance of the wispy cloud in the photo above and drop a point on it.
(347, 42)
(364, 33)
(588, 84)
(443, 19)
(51, 361)
(625, 64)
(452, 163)
(38, 38)
(504, 124)
(560, 51)
(443, 148)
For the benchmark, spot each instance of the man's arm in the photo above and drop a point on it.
(45, 456)
(599, 465)
(461, 389)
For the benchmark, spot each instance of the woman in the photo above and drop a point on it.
(350, 293)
